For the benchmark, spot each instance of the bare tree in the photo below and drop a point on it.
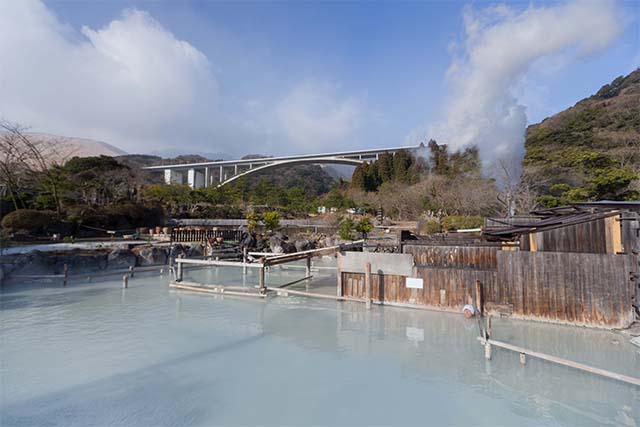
(37, 161)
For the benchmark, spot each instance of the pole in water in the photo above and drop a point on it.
(479, 305)
(131, 270)
(262, 287)
(125, 281)
(66, 274)
(487, 350)
(523, 359)
(367, 285)
(179, 273)
(244, 260)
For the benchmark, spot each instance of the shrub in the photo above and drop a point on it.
(431, 227)
(271, 220)
(253, 221)
(461, 222)
(364, 226)
(346, 229)
(28, 220)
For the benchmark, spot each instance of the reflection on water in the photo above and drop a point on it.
(95, 354)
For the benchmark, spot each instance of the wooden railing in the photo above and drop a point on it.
(184, 235)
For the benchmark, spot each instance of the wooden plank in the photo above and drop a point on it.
(560, 361)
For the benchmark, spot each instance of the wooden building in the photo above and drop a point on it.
(576, 265)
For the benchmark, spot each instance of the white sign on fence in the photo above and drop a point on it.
(414, 283)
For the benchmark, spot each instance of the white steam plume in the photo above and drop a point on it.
(500, 46)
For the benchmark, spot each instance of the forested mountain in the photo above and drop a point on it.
(590, 151)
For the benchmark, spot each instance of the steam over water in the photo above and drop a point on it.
(95, 354)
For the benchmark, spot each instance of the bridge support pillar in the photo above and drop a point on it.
(195, 178)
(207, 178)
(173, 177)
(221, 175)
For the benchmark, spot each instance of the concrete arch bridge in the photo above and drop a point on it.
(219, 173)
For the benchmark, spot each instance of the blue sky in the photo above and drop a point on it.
(293, 77)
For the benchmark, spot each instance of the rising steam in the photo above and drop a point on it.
(499, 47)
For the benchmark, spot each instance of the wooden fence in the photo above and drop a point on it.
(183, 235)
(575, 288)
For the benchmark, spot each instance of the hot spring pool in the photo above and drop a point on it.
(97, 354)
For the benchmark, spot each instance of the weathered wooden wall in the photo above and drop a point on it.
(574, 288)
(452, 269)
(582, 289)
(607, 235)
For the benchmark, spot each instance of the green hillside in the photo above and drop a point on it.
(590, 151)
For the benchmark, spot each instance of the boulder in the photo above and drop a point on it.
(80, 262)
(275, 243)
(121, 258)
(150, 255)
(34, 262)
(261, 244)
(288, 248)
(247, 240)
(195, 250)
(177, 250)
(302, 245)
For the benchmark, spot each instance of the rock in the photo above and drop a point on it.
(150, 255)
(288, 248)
(80, 262)
(261, 244)
(178, 250)
(120, 258)
(34, 262)
(195, 250)
(247, 240)
(275, 243)
(302, 245)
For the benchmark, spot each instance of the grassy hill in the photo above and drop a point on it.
(590, 151)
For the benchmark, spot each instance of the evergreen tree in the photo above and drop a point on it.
(385, 167)
(371, 179)
(439, 158)
(358, 177)
(402, 161)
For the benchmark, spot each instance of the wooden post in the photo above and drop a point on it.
(261, 284)
(443, 297)
(339, 281)
(244, 260)
(488, 328)
(479, 298)
(487, 350)
(65, 270)
(179, 275)
(125, 281)
(367, 285)
(523, 359)
(308, 266)
(131, 271)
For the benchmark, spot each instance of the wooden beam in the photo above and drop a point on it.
(216, 263)
(563, 362)
(314, 295)
(213, 291)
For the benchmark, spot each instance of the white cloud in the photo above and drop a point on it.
(131, 83)
(499, 47)
(136, 85)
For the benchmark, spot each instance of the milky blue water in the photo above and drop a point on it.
(97, 354)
